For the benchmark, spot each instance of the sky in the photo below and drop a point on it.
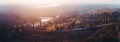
(49, 3)
(44, 2)
(52, 3)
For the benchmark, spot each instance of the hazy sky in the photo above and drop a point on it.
(49, 3)
(58, 1)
